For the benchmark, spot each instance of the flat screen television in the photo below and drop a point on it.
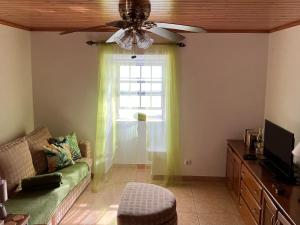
(278, 147)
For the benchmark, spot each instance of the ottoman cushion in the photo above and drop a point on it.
(147, 204)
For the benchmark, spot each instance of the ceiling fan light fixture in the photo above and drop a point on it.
(125, 40)
(143, 40)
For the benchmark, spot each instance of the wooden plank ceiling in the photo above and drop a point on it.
(213, 15)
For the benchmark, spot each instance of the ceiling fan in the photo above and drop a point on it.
(134, 26)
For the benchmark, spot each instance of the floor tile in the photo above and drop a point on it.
(198, 202)
(218, 219)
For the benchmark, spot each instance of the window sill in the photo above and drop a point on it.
(128, 120)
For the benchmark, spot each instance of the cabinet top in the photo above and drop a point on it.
(289, 201)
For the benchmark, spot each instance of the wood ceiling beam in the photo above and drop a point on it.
(10, 24)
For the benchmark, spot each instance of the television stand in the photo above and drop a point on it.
(277, 174)
(257, 190)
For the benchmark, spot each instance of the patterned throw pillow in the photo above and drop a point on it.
(58, 156)
(71, 140)
(75, 150)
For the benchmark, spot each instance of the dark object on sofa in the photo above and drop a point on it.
(57, 141)
(42, 182)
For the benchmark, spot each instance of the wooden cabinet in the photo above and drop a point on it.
(233, 173)
(252, 185)
(252, 204)
(237, 164)
(281, 220)
(246, 213)
(229, 169)
(269, 211)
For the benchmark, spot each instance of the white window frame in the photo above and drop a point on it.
(150, 61)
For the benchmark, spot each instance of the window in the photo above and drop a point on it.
(141, 89)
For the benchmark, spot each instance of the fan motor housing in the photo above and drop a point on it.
(134, 10)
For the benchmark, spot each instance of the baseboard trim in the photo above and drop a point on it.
(175, 178)
(190, 178)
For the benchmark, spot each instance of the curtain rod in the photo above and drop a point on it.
(180, 44)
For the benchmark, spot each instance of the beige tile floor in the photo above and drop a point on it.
(198, 203)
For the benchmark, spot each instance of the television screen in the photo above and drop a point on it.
(278, 147)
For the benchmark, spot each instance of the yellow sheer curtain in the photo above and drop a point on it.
(169, 161)
(166, 163)
(105, 144)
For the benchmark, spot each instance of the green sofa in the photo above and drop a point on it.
(41, 205)
(45, 207)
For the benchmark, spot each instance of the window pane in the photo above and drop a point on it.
(146, 72)
(126, 113)
(156, 101)
(135, 72)
(124, 86)
(134, 87)
(135, 101)
(146, 87)
(124, 101)
(129, 101)
(156, 86)
(124, 72)
(146, 101)
(156, 72)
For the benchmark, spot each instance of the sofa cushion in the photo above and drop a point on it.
(58, 156)
(36, 140)
(41, 205)
(15, 163)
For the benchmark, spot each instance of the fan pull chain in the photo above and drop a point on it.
(133, 46)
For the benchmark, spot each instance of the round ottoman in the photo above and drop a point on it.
(147, 204)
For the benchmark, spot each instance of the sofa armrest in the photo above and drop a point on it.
(85, 149)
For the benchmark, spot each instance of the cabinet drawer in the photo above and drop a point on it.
(252, 185)
(251, 202)
(246, 214)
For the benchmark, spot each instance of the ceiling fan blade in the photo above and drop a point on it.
(180, 27)
(166, 34)
(118, 24)
(116, 34)
(83, 29)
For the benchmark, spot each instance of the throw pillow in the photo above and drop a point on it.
(42, 182)
(36, 140)
(58, 156)
(15, 163)
(71, 140)
(75, 150)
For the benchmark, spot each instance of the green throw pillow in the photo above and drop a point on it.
(75, 150)
(58, 156)
(71, 140)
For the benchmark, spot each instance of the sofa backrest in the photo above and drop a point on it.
(36, 140)
(15, 163)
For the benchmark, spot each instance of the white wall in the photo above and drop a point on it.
(64, 83)
(283, 80)
(16, 114)
(222, 90)
(223, 78)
